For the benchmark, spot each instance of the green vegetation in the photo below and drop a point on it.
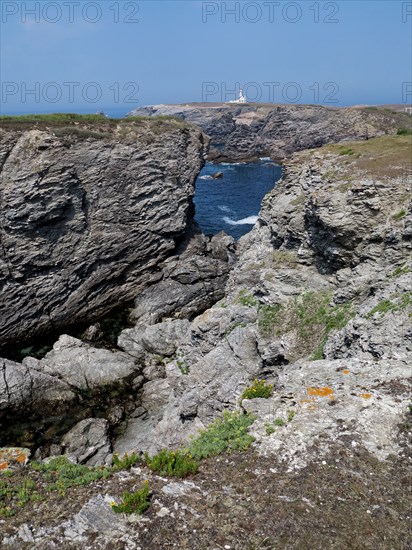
(227, 433)
(346, 151)
(246, 299)
(57, 475)
(270, 427)
(310, 316)
(401, 214)
(125, 462)
(63, 474)
(14, 496)
(172, 463)
(133, 503)
(402, 270)
(382, 157)
(284, 258)
(55, 117)
(400, 302)
(184, 369)
(259, 388)
(404, 132)
(279, 422)
(268, 318)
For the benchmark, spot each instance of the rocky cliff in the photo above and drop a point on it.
(88, 211)
(317, 303)
(247, 132)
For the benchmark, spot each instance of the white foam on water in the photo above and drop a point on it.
(206, 177)
(250, 220)
(225, 209)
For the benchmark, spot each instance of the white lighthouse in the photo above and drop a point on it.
(240, 99)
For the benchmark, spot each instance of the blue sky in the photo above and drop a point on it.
(71, 53)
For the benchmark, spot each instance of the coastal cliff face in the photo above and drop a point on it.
(247, 132)
(317, 302)
(87, 214)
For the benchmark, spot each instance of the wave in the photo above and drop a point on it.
(250, 220)
(206, 177)
(225, 209)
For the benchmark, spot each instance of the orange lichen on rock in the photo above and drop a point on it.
(365, 395)
(345, 371)
(10, 455)
(320, 392)
(305, 401)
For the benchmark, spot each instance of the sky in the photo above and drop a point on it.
(81, 56)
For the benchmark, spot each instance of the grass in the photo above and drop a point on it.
(94, 126)
(400, 302)
(55, 117)
(63, 474)
(284, 258)
(346, 151)
(56, 476)
(246, 299)
(381, 157)
(401, 270)
(310, 317)
(227, 433)
(269, 318)
(259, 388)
(399, 215)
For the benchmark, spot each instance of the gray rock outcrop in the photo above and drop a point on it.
(86, 217)
(244, 132)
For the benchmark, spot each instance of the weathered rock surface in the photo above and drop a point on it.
(88, 442)
(86, 217)
(242, 132)
(72, 382)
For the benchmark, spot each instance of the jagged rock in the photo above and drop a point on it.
(84, 367)
(23, 389)
(86, 218)
(160, 339)
(247, 132)
(88, 442)
(191, 282)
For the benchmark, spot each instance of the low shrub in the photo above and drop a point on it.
(259, 388)
(227, 433)
(133, 503)
(172, 463)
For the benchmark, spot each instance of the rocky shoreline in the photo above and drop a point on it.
(247, 132)
(316, 300)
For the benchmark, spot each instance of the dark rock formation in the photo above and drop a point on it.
(247, 132)
(86, 217)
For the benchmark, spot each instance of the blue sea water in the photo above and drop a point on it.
(232, 203)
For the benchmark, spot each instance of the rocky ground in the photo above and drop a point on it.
(318, 304)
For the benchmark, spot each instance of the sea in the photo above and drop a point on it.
(232, 203)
